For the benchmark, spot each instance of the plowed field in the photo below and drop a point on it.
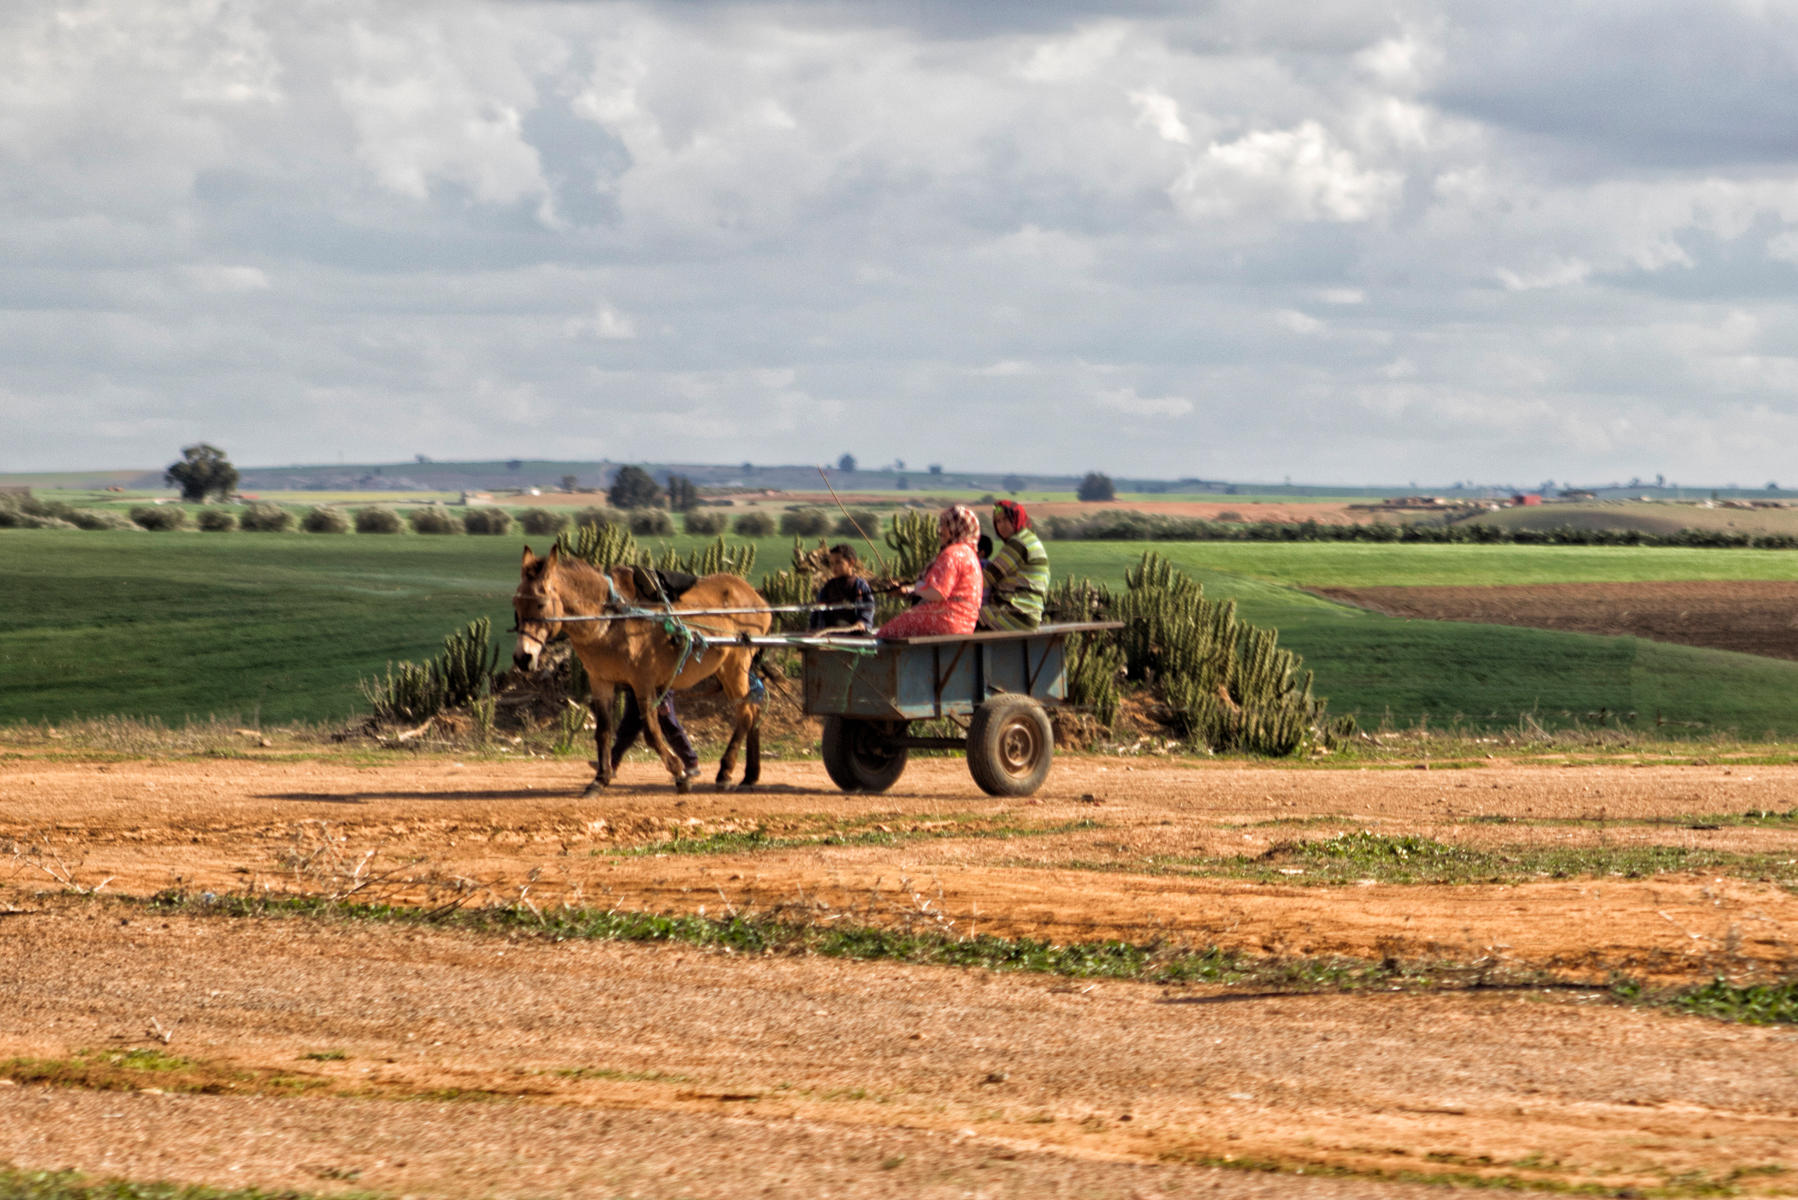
(1751, 617)
(409, 1058)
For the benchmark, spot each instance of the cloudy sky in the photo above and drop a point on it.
(1337, 240)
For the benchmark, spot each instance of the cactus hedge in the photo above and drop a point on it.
(1225, 684)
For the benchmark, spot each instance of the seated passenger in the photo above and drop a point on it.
(847, 591)
(1017, 575)
(949, 592)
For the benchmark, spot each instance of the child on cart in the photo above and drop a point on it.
(847, 593)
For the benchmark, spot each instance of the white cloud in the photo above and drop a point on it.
(1563, 273)
(1299, 174)
(1294, 321)
(1161, 113)
(606, 323)
(431, 107)
(1126, 401)
(219, 278)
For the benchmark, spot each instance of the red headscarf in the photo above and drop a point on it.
(1012, 511)
(957, 524)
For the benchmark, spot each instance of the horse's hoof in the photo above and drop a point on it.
(724, 785)
(683, 785)
(595, 788)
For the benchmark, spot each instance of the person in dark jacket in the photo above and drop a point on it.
(630, 727)
(849, 594)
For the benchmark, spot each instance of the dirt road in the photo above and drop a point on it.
(405, 1059)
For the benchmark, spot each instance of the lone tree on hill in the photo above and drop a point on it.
(846, 462)
(1096, 486)
(683, 493)
(203, 471)
(633, 487)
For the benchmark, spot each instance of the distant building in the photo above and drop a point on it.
(1525, 499)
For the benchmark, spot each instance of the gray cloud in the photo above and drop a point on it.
(1342, 241)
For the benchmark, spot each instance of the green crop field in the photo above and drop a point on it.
(1381, 564)
(1486, 676)
(281, 626)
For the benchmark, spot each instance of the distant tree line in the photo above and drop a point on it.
(1147, 527)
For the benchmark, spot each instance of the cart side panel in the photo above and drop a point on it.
(900, 681)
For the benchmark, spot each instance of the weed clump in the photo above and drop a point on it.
(435, 519)
(378, 520)
(651, 522)
(753, 525)
(539, 522)
(704, 522)
(325, 519)
(158, 517)
(487, 520)
(262, 517)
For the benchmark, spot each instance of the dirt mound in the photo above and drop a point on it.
(1751, 617)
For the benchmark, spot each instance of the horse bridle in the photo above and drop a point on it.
(615, 605)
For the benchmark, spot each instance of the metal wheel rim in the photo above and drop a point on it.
(1018, 747)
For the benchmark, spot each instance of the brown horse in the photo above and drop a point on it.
(648, 654)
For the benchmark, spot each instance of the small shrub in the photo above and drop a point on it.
(325, 519)
(706, 522)
(805, 522)
(262, 517)
(158, 516)
(13, 519)
(487, 520)
(754, 524)
(598, 516)
(378, 520)
(846, 524)
(541, 522)
(217, 520)
(651, 522)
(106, 518)
(435, 519)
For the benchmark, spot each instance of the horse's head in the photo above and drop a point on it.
(537, 606)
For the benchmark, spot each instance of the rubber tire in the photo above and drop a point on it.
(858, 756)
(1010, 746)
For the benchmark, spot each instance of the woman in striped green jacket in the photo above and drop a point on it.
(1017, 575)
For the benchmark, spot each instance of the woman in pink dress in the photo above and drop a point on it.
(949, 593)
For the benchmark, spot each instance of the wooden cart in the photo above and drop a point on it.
(1002, 683)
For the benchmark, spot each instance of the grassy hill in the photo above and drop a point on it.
(1656, 518)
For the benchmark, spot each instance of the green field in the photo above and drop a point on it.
(1380, 564)
(281, 626)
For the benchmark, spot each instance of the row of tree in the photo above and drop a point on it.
(203, 471)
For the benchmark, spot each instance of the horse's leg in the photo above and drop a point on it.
(601, 704)
(733, 678)
(752, 761)
(758, 693)
(652, 729)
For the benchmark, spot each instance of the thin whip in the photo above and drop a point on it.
(833, 495)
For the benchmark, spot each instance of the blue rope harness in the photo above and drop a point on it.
(690, 641)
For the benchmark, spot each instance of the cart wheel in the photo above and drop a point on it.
(1010, 745)
(863, 756)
